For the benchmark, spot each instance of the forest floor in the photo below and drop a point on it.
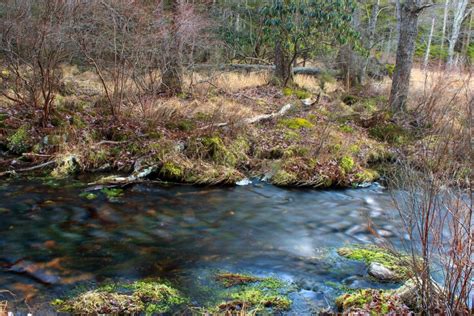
(213, 133)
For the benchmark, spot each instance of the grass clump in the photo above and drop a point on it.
(88, 195)
(367, 175)
(112, 193)
(346, 128)
(233, 279)
(149, 296)
(252, 294)
(370, 254)
(284, 178)
(18, 142)
(346, 164)
(371, 302)
(218, 152)
(390, 133)
(171, 170)
(296, 123)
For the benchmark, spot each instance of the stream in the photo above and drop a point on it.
(53, 240)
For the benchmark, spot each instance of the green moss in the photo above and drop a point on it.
(65, 166)
(253, 294)
(171, 170)
(284, 178)
(369, 254)
(158, 297)
(346, 164)
(354, 149)
(233, 279)
(88, 195)
(371, 302)
(302, 94)
(391, 133)
(390, 69)
(112, 193)
(18, 142)
(367, 175)
(218, 152)
(295, 123)
(182, 125)
(149, 296)
(287, 91)
(346, 128)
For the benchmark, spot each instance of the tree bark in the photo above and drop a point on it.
(428, 45)
(171, 81)
(459, 16)
(405, 51)
(283, 65)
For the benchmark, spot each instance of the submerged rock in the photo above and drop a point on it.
(35, 271)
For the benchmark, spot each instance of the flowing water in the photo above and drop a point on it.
(52, 240)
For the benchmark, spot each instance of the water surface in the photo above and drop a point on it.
(184, 234)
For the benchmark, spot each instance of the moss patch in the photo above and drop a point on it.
(149, 296)
(369, 254)
(391, 133)
(347, 164)
(295, 123)
(252, 294)
(18, 142)
(371, 302)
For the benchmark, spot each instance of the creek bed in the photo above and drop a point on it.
(53, 240)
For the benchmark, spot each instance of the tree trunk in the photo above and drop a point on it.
(445, 23)
(405, 51)
(371, 37)
(283, 68)
(428, 45)
(171, 82)
(459, 16)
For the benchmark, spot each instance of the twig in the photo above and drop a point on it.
(48, 163)
(255, 119)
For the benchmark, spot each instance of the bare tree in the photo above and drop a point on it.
(410, 11)
(459, 16)
(33, 38)
(428, 45)
(171, 68)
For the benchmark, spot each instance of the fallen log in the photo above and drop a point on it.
(255, 119)
(310, 71)
(10, 172)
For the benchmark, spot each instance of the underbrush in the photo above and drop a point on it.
(342, 139)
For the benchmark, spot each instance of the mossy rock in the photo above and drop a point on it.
(148, 296)
(396, 263)
(66, 166)
(371, 302)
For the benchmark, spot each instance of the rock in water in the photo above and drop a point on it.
(381, 273)
(35, 271)
(243, 182)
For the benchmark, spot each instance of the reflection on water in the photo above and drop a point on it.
(52, 240)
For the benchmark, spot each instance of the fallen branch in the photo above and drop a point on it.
(311, 71)
(255, 119)
(40, 166)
